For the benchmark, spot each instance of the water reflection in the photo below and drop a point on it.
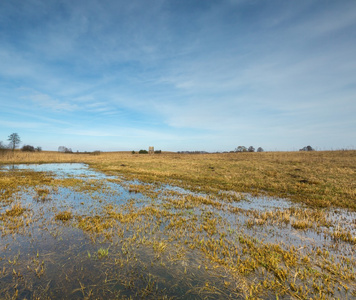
(138, 240)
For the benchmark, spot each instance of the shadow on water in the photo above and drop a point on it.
(82, 234)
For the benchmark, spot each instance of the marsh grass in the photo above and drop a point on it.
(318, 179)
(15, 210)
(63, 216)
(168, 243)
(102, 252)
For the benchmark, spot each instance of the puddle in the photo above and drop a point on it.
(262, 203)
(80, 234)
(65, 170)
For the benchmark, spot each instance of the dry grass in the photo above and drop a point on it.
(64, 216)
(15, 210)
(200, 243)
(318, 179)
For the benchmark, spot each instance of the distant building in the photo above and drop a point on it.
(151, 150)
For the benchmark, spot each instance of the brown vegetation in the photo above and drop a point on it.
(318, 179)
(160, 243)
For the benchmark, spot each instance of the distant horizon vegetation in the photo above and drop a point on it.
(15, 142)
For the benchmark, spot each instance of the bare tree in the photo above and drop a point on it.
(15, 141)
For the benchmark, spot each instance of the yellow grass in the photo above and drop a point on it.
(163, 236)
(319, 179)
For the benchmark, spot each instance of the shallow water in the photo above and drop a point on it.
(62, 170)
(121, 242)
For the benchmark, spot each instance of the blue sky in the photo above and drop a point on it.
(178, 75)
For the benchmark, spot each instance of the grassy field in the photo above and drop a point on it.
(318, 179)
(127, 235)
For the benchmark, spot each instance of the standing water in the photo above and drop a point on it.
(69, 232)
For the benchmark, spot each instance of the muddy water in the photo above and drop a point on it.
(120, 242)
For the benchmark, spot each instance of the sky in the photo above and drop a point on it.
(178, 75)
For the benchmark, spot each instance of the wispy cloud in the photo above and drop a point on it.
(53, 104)
(22, 125)
(169, 71)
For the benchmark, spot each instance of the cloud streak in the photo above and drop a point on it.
(228, 71)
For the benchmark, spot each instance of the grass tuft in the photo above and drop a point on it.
(64, 216)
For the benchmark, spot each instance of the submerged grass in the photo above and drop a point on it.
(102, 252)
(169, 244)
(318, 179)
(15, 210)
(63, 216)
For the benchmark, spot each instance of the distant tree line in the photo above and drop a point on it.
(192, 152)
(64, 149)
(29, 148)
(96, 152)
(142, 151)
(14, 142)
(249, 149)
(237, 149)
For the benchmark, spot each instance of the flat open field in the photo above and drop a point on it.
(169, 226)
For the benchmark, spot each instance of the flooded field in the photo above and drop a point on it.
(69, 232)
